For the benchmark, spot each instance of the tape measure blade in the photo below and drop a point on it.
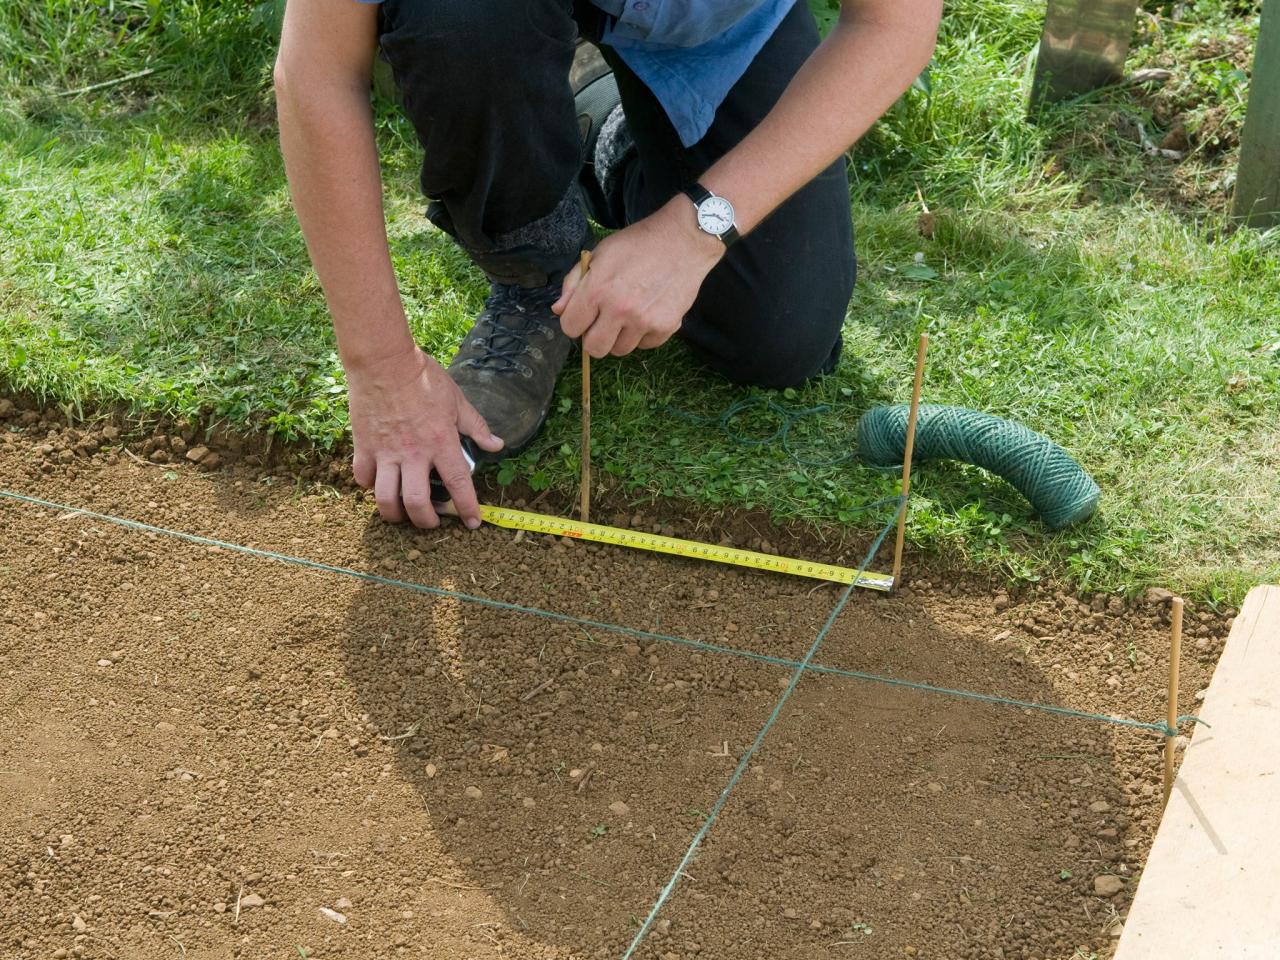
(690, 549)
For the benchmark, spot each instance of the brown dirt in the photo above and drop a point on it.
(188, 727)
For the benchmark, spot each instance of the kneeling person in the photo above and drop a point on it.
(714, 145)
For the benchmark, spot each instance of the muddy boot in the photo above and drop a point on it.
(507, 365)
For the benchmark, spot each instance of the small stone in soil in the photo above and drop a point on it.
(619, 809)
(1099, 806)
(1107, 885)
(473, 793)
(249, 901)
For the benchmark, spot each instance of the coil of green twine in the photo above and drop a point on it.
(1056, 486)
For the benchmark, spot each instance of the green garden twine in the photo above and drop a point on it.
(1059, 490)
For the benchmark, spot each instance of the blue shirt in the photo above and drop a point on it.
(690, 53)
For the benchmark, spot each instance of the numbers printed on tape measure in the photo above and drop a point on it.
(562, 527)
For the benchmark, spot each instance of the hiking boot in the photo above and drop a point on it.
(508, 363)
(608, 152)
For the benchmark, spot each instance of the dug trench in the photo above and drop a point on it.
(207, 754)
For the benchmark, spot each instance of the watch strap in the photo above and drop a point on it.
(697, 193)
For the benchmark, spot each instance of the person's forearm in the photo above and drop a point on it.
(863, 66)
(327, 137)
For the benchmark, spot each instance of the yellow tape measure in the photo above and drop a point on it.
(561, 527)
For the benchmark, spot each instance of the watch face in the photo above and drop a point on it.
(715, 215)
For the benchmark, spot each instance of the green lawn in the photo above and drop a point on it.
(148, 255)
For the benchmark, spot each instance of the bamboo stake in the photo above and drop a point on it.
(1175, 650)
(907, 452)
(584, 264)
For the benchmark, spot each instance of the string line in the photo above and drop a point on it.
(750, 752)
(637, 633)
(798, 668)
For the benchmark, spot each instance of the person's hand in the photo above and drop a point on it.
(641, 283)
(406, 415)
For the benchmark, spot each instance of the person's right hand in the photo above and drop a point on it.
(406, 415)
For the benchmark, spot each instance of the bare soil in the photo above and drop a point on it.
(202, 749)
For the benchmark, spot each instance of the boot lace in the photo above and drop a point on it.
(516, 314)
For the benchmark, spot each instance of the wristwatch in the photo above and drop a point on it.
(715, 214)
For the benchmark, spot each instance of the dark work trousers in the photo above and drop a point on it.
(485, 84)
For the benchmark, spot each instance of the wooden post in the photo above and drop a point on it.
(1083, 47)
(907, 453)
(1175, 651)
(584, 264)
(1257, 196)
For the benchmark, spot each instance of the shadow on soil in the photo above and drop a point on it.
(566, 769)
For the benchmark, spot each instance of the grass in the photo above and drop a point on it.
(149, 257)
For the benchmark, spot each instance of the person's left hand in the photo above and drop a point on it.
(641, 282)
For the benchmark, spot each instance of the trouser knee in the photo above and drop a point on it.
(485, 84)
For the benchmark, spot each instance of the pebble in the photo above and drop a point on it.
(619, 809)
(219, 907)
(1099, 806)
(104, 662)
(342, 904)
(413, 555)
(78, 924)
(197, 453)
(66, 839)
(431, 771)
(1107, 885)
(250, 901)
(473, 793)
(934, 787)
(333, 915)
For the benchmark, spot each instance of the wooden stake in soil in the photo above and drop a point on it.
(906, 454)
(584, 264)
(1175, 649)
